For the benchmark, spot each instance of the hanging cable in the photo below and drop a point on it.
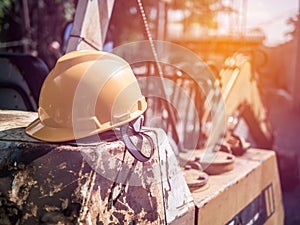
(160, 73)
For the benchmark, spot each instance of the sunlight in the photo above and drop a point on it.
(271, 18)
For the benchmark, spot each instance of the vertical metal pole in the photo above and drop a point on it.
(245, 15)
(27, 26)
(296, 88)
(161, 22)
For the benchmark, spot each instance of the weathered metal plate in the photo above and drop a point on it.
(97, 183)
(231, 193)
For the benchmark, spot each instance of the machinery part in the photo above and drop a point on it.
(260, 128)
(185, 100)
(223, 162)
(204, 79)
(236, 74)
(160, 73)
(21, 78)
(235, 145)
(212, 164)
(196, 179)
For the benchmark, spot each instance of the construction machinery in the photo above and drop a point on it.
(211, 116)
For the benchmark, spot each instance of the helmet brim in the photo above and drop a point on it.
(39, 131)
(49, 134)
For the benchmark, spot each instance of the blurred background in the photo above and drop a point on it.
(269, 31)
(208, 27)
(41, 27)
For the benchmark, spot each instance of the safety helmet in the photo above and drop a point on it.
(87, 92)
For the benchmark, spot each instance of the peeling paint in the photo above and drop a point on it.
(70, 184)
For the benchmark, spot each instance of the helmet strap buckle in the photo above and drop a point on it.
(131, 147)
(137, 124)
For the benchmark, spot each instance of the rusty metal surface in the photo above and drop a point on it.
(70, 183)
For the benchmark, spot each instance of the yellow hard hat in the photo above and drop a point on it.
(87, 92)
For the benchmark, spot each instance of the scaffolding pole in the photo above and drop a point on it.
(296, 89)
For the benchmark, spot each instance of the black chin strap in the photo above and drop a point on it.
(136, 126)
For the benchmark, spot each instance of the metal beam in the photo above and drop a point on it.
(90, 24)
(295, 90)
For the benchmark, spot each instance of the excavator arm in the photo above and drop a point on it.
(242, 98)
